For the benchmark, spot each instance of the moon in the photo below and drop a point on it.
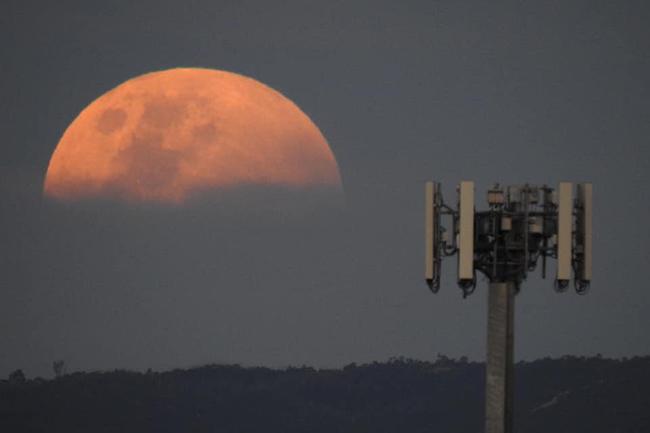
(166, 136)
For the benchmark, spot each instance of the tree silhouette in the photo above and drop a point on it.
(568, 394)
(17, 377)
(59, 368)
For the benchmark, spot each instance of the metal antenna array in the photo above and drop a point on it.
(523, 226)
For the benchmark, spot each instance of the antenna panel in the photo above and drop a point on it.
(466, 232)
(564, 227)
(584, 231)
(428, 232)
(431, 235)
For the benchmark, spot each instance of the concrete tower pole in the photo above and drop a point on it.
(500, 358)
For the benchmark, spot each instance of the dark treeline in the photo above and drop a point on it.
(552, 395)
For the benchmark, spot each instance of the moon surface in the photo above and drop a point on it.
(166, 136)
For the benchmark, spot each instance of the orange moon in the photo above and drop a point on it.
(164, 136)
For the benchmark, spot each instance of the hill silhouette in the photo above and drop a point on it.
(569, 394)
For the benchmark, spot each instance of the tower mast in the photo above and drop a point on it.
(523, 226)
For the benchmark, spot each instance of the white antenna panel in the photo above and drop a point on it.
(466, 232)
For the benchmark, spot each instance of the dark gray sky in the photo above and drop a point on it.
(404, 92)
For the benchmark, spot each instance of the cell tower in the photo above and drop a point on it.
(523, 226)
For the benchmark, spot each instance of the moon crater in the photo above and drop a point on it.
(111, 120)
